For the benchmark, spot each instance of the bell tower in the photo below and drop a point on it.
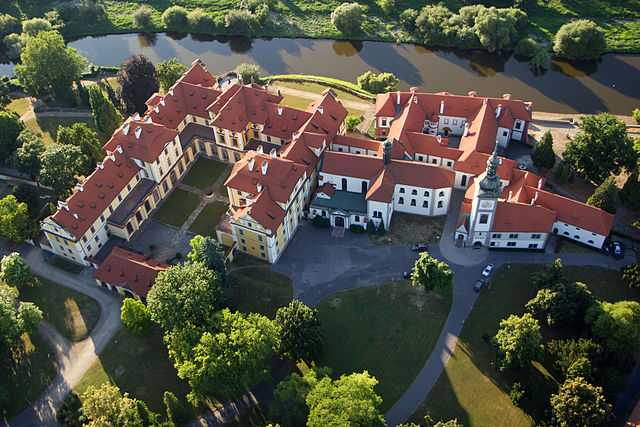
(485, 200)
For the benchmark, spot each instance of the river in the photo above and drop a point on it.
(610, 84)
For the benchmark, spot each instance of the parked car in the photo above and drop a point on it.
(487, 270)
(479, 285)
(420, 247)
(617, 250)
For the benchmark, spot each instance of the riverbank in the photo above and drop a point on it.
(303, 19)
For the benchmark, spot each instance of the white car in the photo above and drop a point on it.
(487, 270)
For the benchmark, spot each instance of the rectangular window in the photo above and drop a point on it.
(425, 204)
(357, 218)
(511, 244)
(497, 235)
(413, 202)
(536, 236)
(533, 246)
(513, 235)
(484, 218)
(401, 201)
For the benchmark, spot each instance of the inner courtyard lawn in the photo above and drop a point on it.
(204, 173)
(388, 330)
(73, 314)
(26, 372)
(471, 389)
(138, 365)
(177, 207)
(257, 289)
(206, 222)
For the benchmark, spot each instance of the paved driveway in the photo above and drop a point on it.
(320, 265)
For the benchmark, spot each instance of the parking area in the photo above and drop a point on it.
(160, 241)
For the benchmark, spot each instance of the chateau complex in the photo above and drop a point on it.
(289, 163)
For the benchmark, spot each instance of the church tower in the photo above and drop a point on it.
(485, 200)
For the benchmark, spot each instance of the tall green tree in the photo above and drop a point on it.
(348, 401)
(631, 275)
(579, 404)
(47, 66)
(581, 39)
(15, 223)
(543, 155)
(616, 325)
(138, 80)
(16, 317)
(5, 92)
(248, 73)
(601, 148)
(10, 129)
(86, 139)
(300, 335)
(378, 83)
(519, 341)
(605, 196)
(60, 165)
(567, 352)
(106, 116)
(496, 29)
(105, 406)
(348, 18)
(630, 193)
(28, 155)
(564, 303)
(210, 252)
(431, 273)
(185, 295)
(169, 72)
(289, 407)
(135, 316)
(15, 272)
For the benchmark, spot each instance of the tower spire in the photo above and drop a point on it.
(490, 182)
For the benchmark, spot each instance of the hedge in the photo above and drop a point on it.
(349, 87)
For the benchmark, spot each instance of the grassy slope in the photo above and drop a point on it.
(387, 330)
(258, 289)
(471, 389)
(301, 18)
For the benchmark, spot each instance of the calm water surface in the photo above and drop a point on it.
(612, 84)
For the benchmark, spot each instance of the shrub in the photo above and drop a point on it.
(498, 29)
(408, 19)
(9, 24)
(248, 73)
(431, 22)
(516, 393)
(33, 26)
(85, 10)
(543, 155)
(200, 22)
(581, 39)
(320, 221)
(541, 60)
(526, 47)
(378, 83)
(631, 275)
(135, 316)
(630, 193)
(352, 122)
(175, 18)
(605, 196)
(142, 17)
(348, 18)
(563, 173)
(356, 228)
(13, 46)
(387, 6)
(241, 22)
(636, 115)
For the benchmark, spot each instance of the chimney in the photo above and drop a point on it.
(498, 110)
(79, 187)
(259, 187)
(506, 96)
(415, 99)
(398, 97)
(413, 89)
(465, 132)
(162, 102)
(540, 183)
(510, 194)
(100, 165)
(76, 216)
(321, 109)
(535, 198)
(119, 150)
(442, 107)
(138, 132)
(251, 163)
(273, 153)
(439, 139)
(259, 149)
(264, 166)
(63, 205)
(280, 111)
(136, 116)
(148, 119)
(125, 129)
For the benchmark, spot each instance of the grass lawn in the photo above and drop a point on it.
(388, 330)
(19, 105)
(409, 229)
(73, 314)
(177, 207)
(257, 289)
(139, 366)
(471, 389)
(302, 104)
(48, 126)
(204, 173)
(26, 372)
(317, 88)
(205, 223)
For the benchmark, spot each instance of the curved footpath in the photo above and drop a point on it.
(74, 359)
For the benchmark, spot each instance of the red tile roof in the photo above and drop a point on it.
(141, 139)
(353, 165)
(519, 217)
(129, 270)
(362, 143)
(240, 105)
(264, 210)
(282, 121)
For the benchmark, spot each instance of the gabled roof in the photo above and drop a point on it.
(362, 143)
(182, 98)
(240, 104)
(327, 117)
(282, 121)
(520, 217)
(141, 139)
(198, 74)
(130, 270)
(264, 210)
(353, 165)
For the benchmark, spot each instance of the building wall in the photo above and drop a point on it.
(455, 124)
(354, 185)
(385, 211)
(518, 240)
(428, 202)
(578, 234)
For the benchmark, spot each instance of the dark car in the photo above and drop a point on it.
(479, 285)
(420, 247)
(617, 250)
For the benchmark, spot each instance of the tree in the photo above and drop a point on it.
(143, 17)
(563, 173)
(210, 252)
(526, 47)
(579, 404)
(70, 413)
(5, 93)
(60, 164)
(519, 340)
(9, 24)
(106, 116)
(28, 155)
(15, 223)
(387, 6)
(86, 139)
(175, 18)
(378, 83)
(348, 18)
(169, 72)
(16, 317)
(631, 275)
(12, 46)
(352, 122)
(408, 19)
(48, 67)
(10, 128)
(236, 355)
(289, 407)
(15, 272)
(300, 335)
(567, 352)
(605, 196)
(241, 22)
(431, 273)
(630, 193)
(28, 194)
(581, 39)
(601, 148)
(200, 21)
(540, 61)
(561, 304)
(138, 80)
(350, 400)
(185, 295)
(430, 24)
(430, 422)
(616, 325)
(543, 155)
(105, 406)
(135, 316)
(248, 73)
(496, 29)
(33, 26)
(176, 411)
(636, 115)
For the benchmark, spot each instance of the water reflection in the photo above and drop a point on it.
(147, 39)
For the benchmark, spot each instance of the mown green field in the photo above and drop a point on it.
(303, 18)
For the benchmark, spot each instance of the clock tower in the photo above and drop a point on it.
(485, 200)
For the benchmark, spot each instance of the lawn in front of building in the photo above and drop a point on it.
(26, 372)
(206, 222)
(48, 126)
(177, 207)
(471, 389)
(204, 173)
(302, 104)
(407, 229)
(73, 314)
(388, 330)
(138, 365)
(258, 289)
